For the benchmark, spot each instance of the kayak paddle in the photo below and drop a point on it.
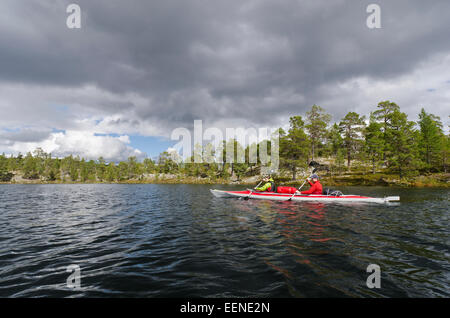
(290, 199)
(251, 191)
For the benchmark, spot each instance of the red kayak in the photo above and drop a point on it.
(252, 194)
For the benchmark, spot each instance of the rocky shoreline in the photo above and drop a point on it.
(431, 180)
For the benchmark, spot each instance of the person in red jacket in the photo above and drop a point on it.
(316, 187)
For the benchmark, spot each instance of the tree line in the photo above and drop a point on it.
(384, 141)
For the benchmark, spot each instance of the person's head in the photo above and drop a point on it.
(315, 178)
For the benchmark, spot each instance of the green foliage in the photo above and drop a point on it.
(100, 169)
(148, 165)
(374, 142)
(340, 160)
(111, 172)
(73, 172)
(235, 155)
(402, 144)
(317, 121)
(351, 127)
(3, 162)
(445, 152)
(30, 167)
(122, 171)
(5, 176)
(431, 139)
(384, 115)
(334, 140)
(295, 146)
(84, 172)
(166, 163)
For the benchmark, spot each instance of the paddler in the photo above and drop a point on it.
(269, 184)
(316, 187)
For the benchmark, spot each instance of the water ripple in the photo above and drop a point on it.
(178, 241)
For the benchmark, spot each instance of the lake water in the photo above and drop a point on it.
(180, 241)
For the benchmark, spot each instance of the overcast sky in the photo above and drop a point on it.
(138, 69)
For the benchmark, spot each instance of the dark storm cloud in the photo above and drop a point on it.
(193, 59)
(24, 135)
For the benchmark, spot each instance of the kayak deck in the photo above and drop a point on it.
(300, 197)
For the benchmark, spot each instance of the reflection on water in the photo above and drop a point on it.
(178, 240)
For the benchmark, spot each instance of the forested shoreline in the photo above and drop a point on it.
(384, 145)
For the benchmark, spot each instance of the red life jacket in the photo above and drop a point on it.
(316, 188)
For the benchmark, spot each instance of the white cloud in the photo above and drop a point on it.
(81, 143)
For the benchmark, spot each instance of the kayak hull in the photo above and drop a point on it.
(299, 197)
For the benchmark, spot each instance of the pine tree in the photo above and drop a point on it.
(402, 146)
(3, 162)
(209, 161)
(166, 164)
(111, 174)
(334, 140)
(149, 165)
(5, 175)
(235, 156)
(445, 151)
(384, 115)
(374, 142)
(133, 167)
(73, 169)
(122, 171)
(317, 121)
(84, 171)
(351, 127)
(431, 141)
(340, 160)
(100, 169)
(295, 146)
(30, 169)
